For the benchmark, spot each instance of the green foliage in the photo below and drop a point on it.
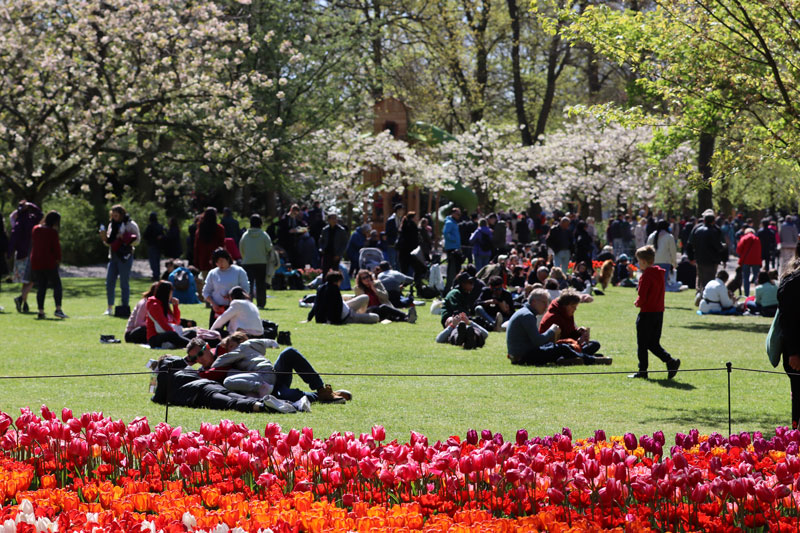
(80, 243)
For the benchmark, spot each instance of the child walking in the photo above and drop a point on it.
(651, 314)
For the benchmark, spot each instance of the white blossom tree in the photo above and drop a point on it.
(158, 85)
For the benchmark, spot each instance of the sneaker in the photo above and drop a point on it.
(346, 394)
(60, 314)
(327, 395)
(274, 404)
(25, 308)
(698, 297)
(303, 405)
(673, 366)
(498, 321)
(469, 338)
(108, 312)
(602, 360)
(412, 315)
(40, 315)
(638, 375)
(18, 303)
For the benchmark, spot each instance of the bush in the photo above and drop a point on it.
(80, 243)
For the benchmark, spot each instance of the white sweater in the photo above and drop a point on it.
(242, 314)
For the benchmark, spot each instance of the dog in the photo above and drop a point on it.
(735, 283)
(606, 272)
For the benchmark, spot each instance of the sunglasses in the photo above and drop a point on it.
(195, 357)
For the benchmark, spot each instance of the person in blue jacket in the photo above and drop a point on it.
(184, 287)
(452, 247)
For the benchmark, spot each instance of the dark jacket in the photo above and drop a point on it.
(488, 294)
(560, 239)
(409, 237)
(392, 230)
(328, 305)
(789, 307)
(583, 247)
(707, 245)
(457, 301)
(337, 243)
(768, 243)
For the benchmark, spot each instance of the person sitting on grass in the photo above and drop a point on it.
(378, 302)
(651, 289)
(716, 299)
(495, 305)
(459, 330)
(220, 280)
(330, 308)
(395, 281)
(527, 346)
(766, 302)
(164, 319)
(561, 312)
(241, 314)
(622, 273)
(184, 286)
(136, 328)
(459, 299)
(253, 373)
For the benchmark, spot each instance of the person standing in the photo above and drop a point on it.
(561, 241)
(392, 231)
(172, 240)
(45, 258)
(230, 224)
(750, 255)
(332, 244)
(289, 229)
(452, 247)
(650, 321)
(23, 219)
(584, 246)
(789, 319)
(153, 236)
(3, 248)
(789, 236)
(769, 246)
(481, 240)
(407, 241)
(121, 237)
(210, 235)
(357, 241)
(466, 228)
(614, 234)
(706, 247)
(256, 246)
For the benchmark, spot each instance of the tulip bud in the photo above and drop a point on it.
(293, 437)
(486, 434)
(630, 441)
(522, 436)
(555, 495)
(472, 437)
(599, 435)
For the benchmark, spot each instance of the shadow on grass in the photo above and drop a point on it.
(748, 327)
(679, 307)
(672, 384)
(712, 416)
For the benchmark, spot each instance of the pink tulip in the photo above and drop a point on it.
(522, 436)
(378, 433)
(555, 495)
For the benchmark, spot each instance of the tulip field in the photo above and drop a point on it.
(402, 455)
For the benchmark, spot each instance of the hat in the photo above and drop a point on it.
(501, 258)
(708, 213)
(623, 257)
(463, 277)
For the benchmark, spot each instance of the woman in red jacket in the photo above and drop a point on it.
(164, 319)
(45, 258)
(749, 252)
(209, 236)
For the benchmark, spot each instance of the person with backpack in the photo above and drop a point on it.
(481, 240)
(45, 259)
(255, 247)
(121, 237)
(183, 283)
(153, 236)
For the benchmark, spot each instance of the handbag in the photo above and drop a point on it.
(122, 311)
(773, 341)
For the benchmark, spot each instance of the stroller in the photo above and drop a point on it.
(369, 258)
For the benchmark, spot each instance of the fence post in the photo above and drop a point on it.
(166, 403)
(729, 366)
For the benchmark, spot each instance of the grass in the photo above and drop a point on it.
(437, 407)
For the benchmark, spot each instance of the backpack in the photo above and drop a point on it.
(773, 341)
(181, 280)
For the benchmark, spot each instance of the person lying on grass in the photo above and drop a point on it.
(459, 330)
(245, 369)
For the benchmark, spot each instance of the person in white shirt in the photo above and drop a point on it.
(241, 314)
(716, 298)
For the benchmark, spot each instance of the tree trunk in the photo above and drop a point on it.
(704, 154)
(519, 96)
(553, 71)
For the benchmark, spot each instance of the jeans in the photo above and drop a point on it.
(754, 308)
(561, 259)
(619, 246)
(648, 337)
(257, 275)
(172, 337)
(44, 279)
(122, 269)
(356, 317)
(385, 312)
(749, 273)
(705, 273)
(398, 300)
(483, 314)
(481, 261)
(289, 361)
(246, 382)
(669, 286)
(154, 257)
(546, 353)
(391, 256)
(454, 260)
(214, 396)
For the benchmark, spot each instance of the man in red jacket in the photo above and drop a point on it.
(749, 251)
(651, 314)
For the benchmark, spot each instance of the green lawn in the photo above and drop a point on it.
(435, 406)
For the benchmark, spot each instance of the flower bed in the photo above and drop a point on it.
(92, 473)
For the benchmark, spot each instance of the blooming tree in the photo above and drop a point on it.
(159, 85)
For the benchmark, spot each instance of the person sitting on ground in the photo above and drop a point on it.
(622, 273)
(557, 274)
(164, 319)
(716, 298)
(686, 272)
(495, 305)
(517, 278)
(551, 286)
(378, 302)
(766, 302)
(538, 274)
(394, 281)
(562, 313)
(220, 281)
(527, 346)
(459, 330)
(477, 285)
(459, 299)
(330, 308)
(261, 375)
(184, 287)
(606, 254)
(136, 328)
(241, 315)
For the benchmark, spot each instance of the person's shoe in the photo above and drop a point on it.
(18, 303)
(461, 334)
(498, 321)
(108, 312)
(412, 315)
(303, 405)
(673, 366)
(274, 404)
(40, 315)
(469, 338)
(638, 375)
(25, 308)
(570, 361)
(60, 314)
(602, 360)
(346, 394)
(327, 395)
(697, 299)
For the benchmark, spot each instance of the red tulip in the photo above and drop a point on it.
(555, 495)
(379, 433)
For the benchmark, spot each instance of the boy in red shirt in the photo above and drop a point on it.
(651, 314)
